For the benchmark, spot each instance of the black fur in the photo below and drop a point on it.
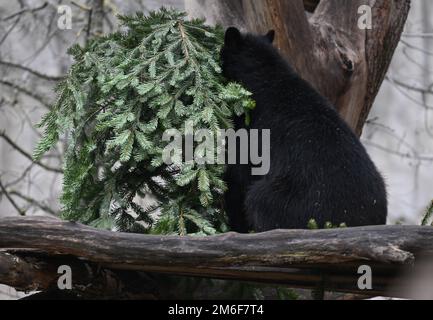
(319, 168)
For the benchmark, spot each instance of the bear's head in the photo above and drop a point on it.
(244, 55)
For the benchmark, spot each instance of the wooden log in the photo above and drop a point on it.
(298, 258)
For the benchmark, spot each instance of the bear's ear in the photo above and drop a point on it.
(233, 37)
(270, 36)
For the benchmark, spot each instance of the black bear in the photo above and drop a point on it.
(318, 167)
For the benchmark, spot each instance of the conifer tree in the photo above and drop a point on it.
(121, 94)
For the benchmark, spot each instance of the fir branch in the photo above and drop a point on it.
(428, 215)
(122, 93)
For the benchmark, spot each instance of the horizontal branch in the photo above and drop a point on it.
(29, 70)
(298, 258)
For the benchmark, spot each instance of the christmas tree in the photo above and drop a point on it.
(121, 95)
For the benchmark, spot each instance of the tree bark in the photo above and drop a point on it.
(343, 62)
(298, 258)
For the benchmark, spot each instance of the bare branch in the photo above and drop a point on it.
(81, 6)
(26, 10)
(27, 92)
(34, 202)
(398, 153)
(428, 90)
(8, 32)
(34, 72)
(28, 155)
(417, 35)
(11, 200)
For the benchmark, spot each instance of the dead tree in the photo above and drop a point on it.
(327, 47)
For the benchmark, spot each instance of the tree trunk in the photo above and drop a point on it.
(342, 61)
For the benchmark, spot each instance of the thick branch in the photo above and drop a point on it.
(287, 18)
(351, 62)
(293, 33)
(294, 257)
